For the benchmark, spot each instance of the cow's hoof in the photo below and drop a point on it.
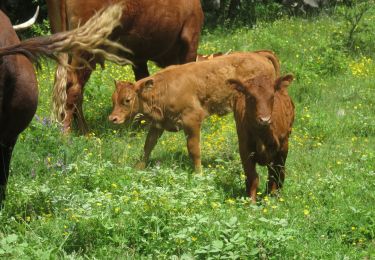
(140, 165)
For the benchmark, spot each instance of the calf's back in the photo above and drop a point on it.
(203, 84)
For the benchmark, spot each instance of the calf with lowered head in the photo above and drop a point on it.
(264, 119)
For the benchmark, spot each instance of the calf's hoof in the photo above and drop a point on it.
(140, 165)
(198, 170)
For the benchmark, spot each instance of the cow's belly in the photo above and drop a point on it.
(148, 32)
(149, 47)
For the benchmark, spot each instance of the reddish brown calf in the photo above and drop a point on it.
(264, 119)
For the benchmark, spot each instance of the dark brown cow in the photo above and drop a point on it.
(164, 31)
(18, 85)
(180, 97)
(264, 121)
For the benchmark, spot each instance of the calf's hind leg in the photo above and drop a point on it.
(193, 146)
(192, 129)
(151, 140)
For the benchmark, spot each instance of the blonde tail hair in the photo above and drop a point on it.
(91, 38)
(59, 95)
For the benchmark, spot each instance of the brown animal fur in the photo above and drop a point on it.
(18, 85)
(180, 97)
(263, 132)
(164, 31)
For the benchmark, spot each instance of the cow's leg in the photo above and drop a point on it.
(78, 115)
(151, 140)
(5, 156)
(140, 70)
(74, 108)
(78, 79)
(190, 39)
(73, 92)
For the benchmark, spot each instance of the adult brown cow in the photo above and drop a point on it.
(164, 31)
(180, 97)
(264, 120)
(18, 85)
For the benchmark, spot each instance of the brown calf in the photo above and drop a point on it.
(264, 123)
(180, 97)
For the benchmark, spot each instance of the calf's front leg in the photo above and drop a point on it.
(248, 163)
(151, 140)
(276, 173)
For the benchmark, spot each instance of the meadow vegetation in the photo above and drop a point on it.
(79, 197)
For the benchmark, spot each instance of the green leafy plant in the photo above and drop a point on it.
(79, 197)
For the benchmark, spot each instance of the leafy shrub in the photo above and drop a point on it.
(357, 28)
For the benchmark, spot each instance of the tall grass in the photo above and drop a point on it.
(79, 196)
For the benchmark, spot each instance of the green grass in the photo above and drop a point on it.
(79, 197)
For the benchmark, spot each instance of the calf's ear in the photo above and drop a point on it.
(289, 78)
(237, 85)
(116, 85)
(148, 85)
(119, 84)
(284, 81)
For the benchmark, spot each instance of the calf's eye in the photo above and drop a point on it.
(126, 101)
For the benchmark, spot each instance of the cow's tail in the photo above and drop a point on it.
(91, 37)
(270, 55)
(59, 95)
(96, 32)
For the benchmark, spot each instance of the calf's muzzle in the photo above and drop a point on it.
(114, 119)
(264, 121)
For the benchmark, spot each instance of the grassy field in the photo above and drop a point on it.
(79, 196)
